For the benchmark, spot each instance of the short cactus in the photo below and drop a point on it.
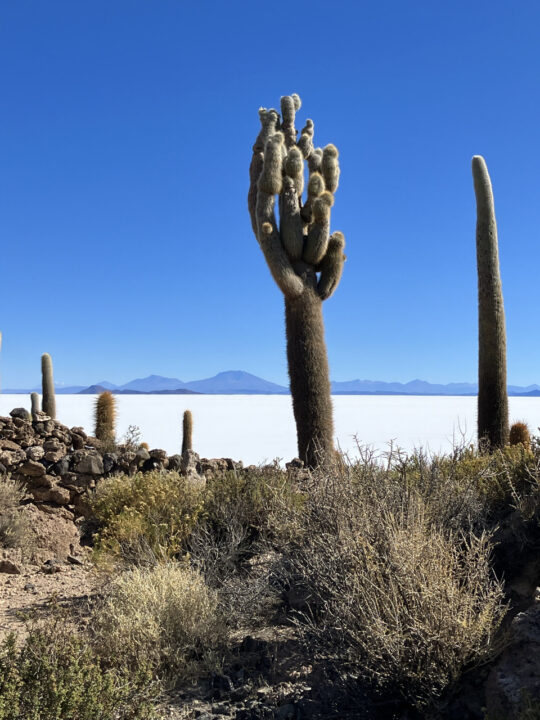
(105, 417)
(520, 435)
(295, 251)
(34, 399)
(48, 403)
(187, 435)
(492, 390)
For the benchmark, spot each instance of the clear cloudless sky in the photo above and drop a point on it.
(125, 139)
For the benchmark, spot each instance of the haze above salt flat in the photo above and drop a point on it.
(260, 428)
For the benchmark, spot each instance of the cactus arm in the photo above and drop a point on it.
(291, 226)
(269, 122)
(289, 105)
(330, 167)
(331, 266)
(315, 160)
(319, 230)
(255, 170)
(280, 266)
(492, 388)
(305, 142)
(292, 236)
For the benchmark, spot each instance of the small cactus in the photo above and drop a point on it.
(520, 435)
(105, 415)
(48, 403)
(34, 399)
(187, 437)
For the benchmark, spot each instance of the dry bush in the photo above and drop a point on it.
(229, 543)
(165, 616)
(144, 518)
(397, 590)
(15, 531)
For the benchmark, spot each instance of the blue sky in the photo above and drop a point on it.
(125, 142)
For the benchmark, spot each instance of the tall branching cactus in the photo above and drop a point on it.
(187, 431)
(492, 390)
(48, 403)
(105, 412)
(305, 260)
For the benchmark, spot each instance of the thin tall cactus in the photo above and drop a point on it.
(492, 389)
(296, 250)
(48, 403)
(187, 434)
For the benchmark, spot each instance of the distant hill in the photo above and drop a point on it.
(236, 382)
(153, 383)
(239, 382)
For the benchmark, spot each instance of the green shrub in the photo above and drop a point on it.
(56, 675)
(144, 517)
(165, 616)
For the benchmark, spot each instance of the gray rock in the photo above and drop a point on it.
(175, 462)
(142, 454)
(515, 679)
(110, 460)
(77, 441)
(91, 465)
(21, 413)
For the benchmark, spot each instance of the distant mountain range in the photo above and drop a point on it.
(238, 382)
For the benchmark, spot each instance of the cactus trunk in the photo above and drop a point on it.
(492, 389)
(48, 402)
(105, 412)
(34, 399)
(309, 377)
(187, 439)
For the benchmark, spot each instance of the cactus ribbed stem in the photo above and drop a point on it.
(105, 412)
(187, 434)
(48, 402)
(492, 389)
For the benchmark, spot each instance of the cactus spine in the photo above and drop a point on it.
(295, 251)
(492, 389)
(187, 436)
(47, 386)
(34, 399)
(105, 412)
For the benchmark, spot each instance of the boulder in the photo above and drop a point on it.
(90, 465)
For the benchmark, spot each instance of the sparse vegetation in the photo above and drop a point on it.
(15, 529)
(56, 674)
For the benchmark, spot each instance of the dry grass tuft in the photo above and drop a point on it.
(165, 616)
